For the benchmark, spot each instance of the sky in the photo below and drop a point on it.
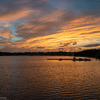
(49, 25)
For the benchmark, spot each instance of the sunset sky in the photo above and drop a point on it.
(49, 25)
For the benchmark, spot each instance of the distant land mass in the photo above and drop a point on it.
(89, 53)
(86, 53)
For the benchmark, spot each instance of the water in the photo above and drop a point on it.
(36, 78)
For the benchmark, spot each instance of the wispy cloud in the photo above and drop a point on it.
(92, 45)
(31, 25)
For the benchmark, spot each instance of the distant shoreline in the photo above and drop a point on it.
(50, 55)
(94, 53)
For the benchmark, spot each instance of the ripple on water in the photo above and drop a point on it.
(35, 78)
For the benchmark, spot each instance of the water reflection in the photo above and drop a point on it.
(28, 78)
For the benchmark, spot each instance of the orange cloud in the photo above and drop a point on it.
(6, 33)
(15, 16)
(82, 31)
(76, 32)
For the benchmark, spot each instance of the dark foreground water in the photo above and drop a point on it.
(35, 78)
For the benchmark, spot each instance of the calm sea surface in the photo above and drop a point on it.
(36, 78)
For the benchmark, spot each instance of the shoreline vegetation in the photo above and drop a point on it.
(95, 53)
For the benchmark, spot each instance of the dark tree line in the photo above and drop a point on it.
(89, 53)
(86, 53)
(35, 53)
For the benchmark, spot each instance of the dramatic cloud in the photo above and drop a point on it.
(49, 25)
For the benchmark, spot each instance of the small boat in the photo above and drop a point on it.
(60, 59)
(87, 59)
(74, 59)
(81, 59)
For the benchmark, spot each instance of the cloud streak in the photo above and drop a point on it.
(92, 45)
(40, 25)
